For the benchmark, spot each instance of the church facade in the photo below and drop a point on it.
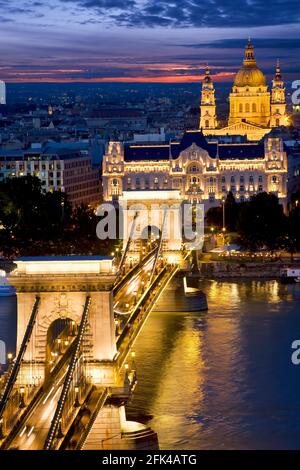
(254, 111)
(203, 172)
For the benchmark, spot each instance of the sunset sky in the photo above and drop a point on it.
(144, 40)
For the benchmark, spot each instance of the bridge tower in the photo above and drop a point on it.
(158, 212)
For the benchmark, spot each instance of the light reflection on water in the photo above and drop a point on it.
(223, 379)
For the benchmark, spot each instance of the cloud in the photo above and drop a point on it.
(259, 43)
(195, 13)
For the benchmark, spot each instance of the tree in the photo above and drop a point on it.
(214, 217)
(262, 223)
(291, 240)
(231, 212)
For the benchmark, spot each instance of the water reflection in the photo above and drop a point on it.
(223, 379)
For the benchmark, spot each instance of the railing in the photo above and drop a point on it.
(42, 392)
(61, 402)
(127, 246)
(100, 403)
(132, 271)
(159, 247)
(11, 379)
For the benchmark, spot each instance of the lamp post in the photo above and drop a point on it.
(223, 202)
(22, 401)
(77, 402)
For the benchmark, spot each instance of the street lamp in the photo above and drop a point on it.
(223, 202)
(77, 403)
(22, 402)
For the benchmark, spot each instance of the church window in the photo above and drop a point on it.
(247, 108)
(253, 107)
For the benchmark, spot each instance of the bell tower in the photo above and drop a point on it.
(278, 102)
(208, 118)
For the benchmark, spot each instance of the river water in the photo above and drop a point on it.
(222, 379)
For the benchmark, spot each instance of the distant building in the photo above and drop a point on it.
(254, 111)
(2, 92)
(59, 169)
(204, 172)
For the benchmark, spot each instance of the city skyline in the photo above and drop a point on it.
(104, 40)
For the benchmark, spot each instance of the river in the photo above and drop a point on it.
(222, 379)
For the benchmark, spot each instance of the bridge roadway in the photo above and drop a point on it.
(31, 432)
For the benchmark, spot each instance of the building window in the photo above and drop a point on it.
(251, 179)
(240, 108)
(247, 108)
(223, 179)
(260, 179)
(206, 123)
(260, 188)
(242, 188)
(232, 189)
(253, 107)
(232, 179)
(277, 122)
(242, 179)
(115, 187)
(223, 189)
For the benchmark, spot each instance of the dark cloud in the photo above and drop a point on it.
(196, 13)
(268, 43)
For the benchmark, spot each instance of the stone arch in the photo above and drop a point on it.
(61, 306)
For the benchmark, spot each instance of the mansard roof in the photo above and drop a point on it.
(161, 152)
(241, 151)
(146, 152)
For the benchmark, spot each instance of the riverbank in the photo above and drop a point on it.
(244, 270)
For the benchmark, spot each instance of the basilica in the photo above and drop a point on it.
(254, 111)
(200, 166)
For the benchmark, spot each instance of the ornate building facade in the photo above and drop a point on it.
(254, 111)
(202, 171)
